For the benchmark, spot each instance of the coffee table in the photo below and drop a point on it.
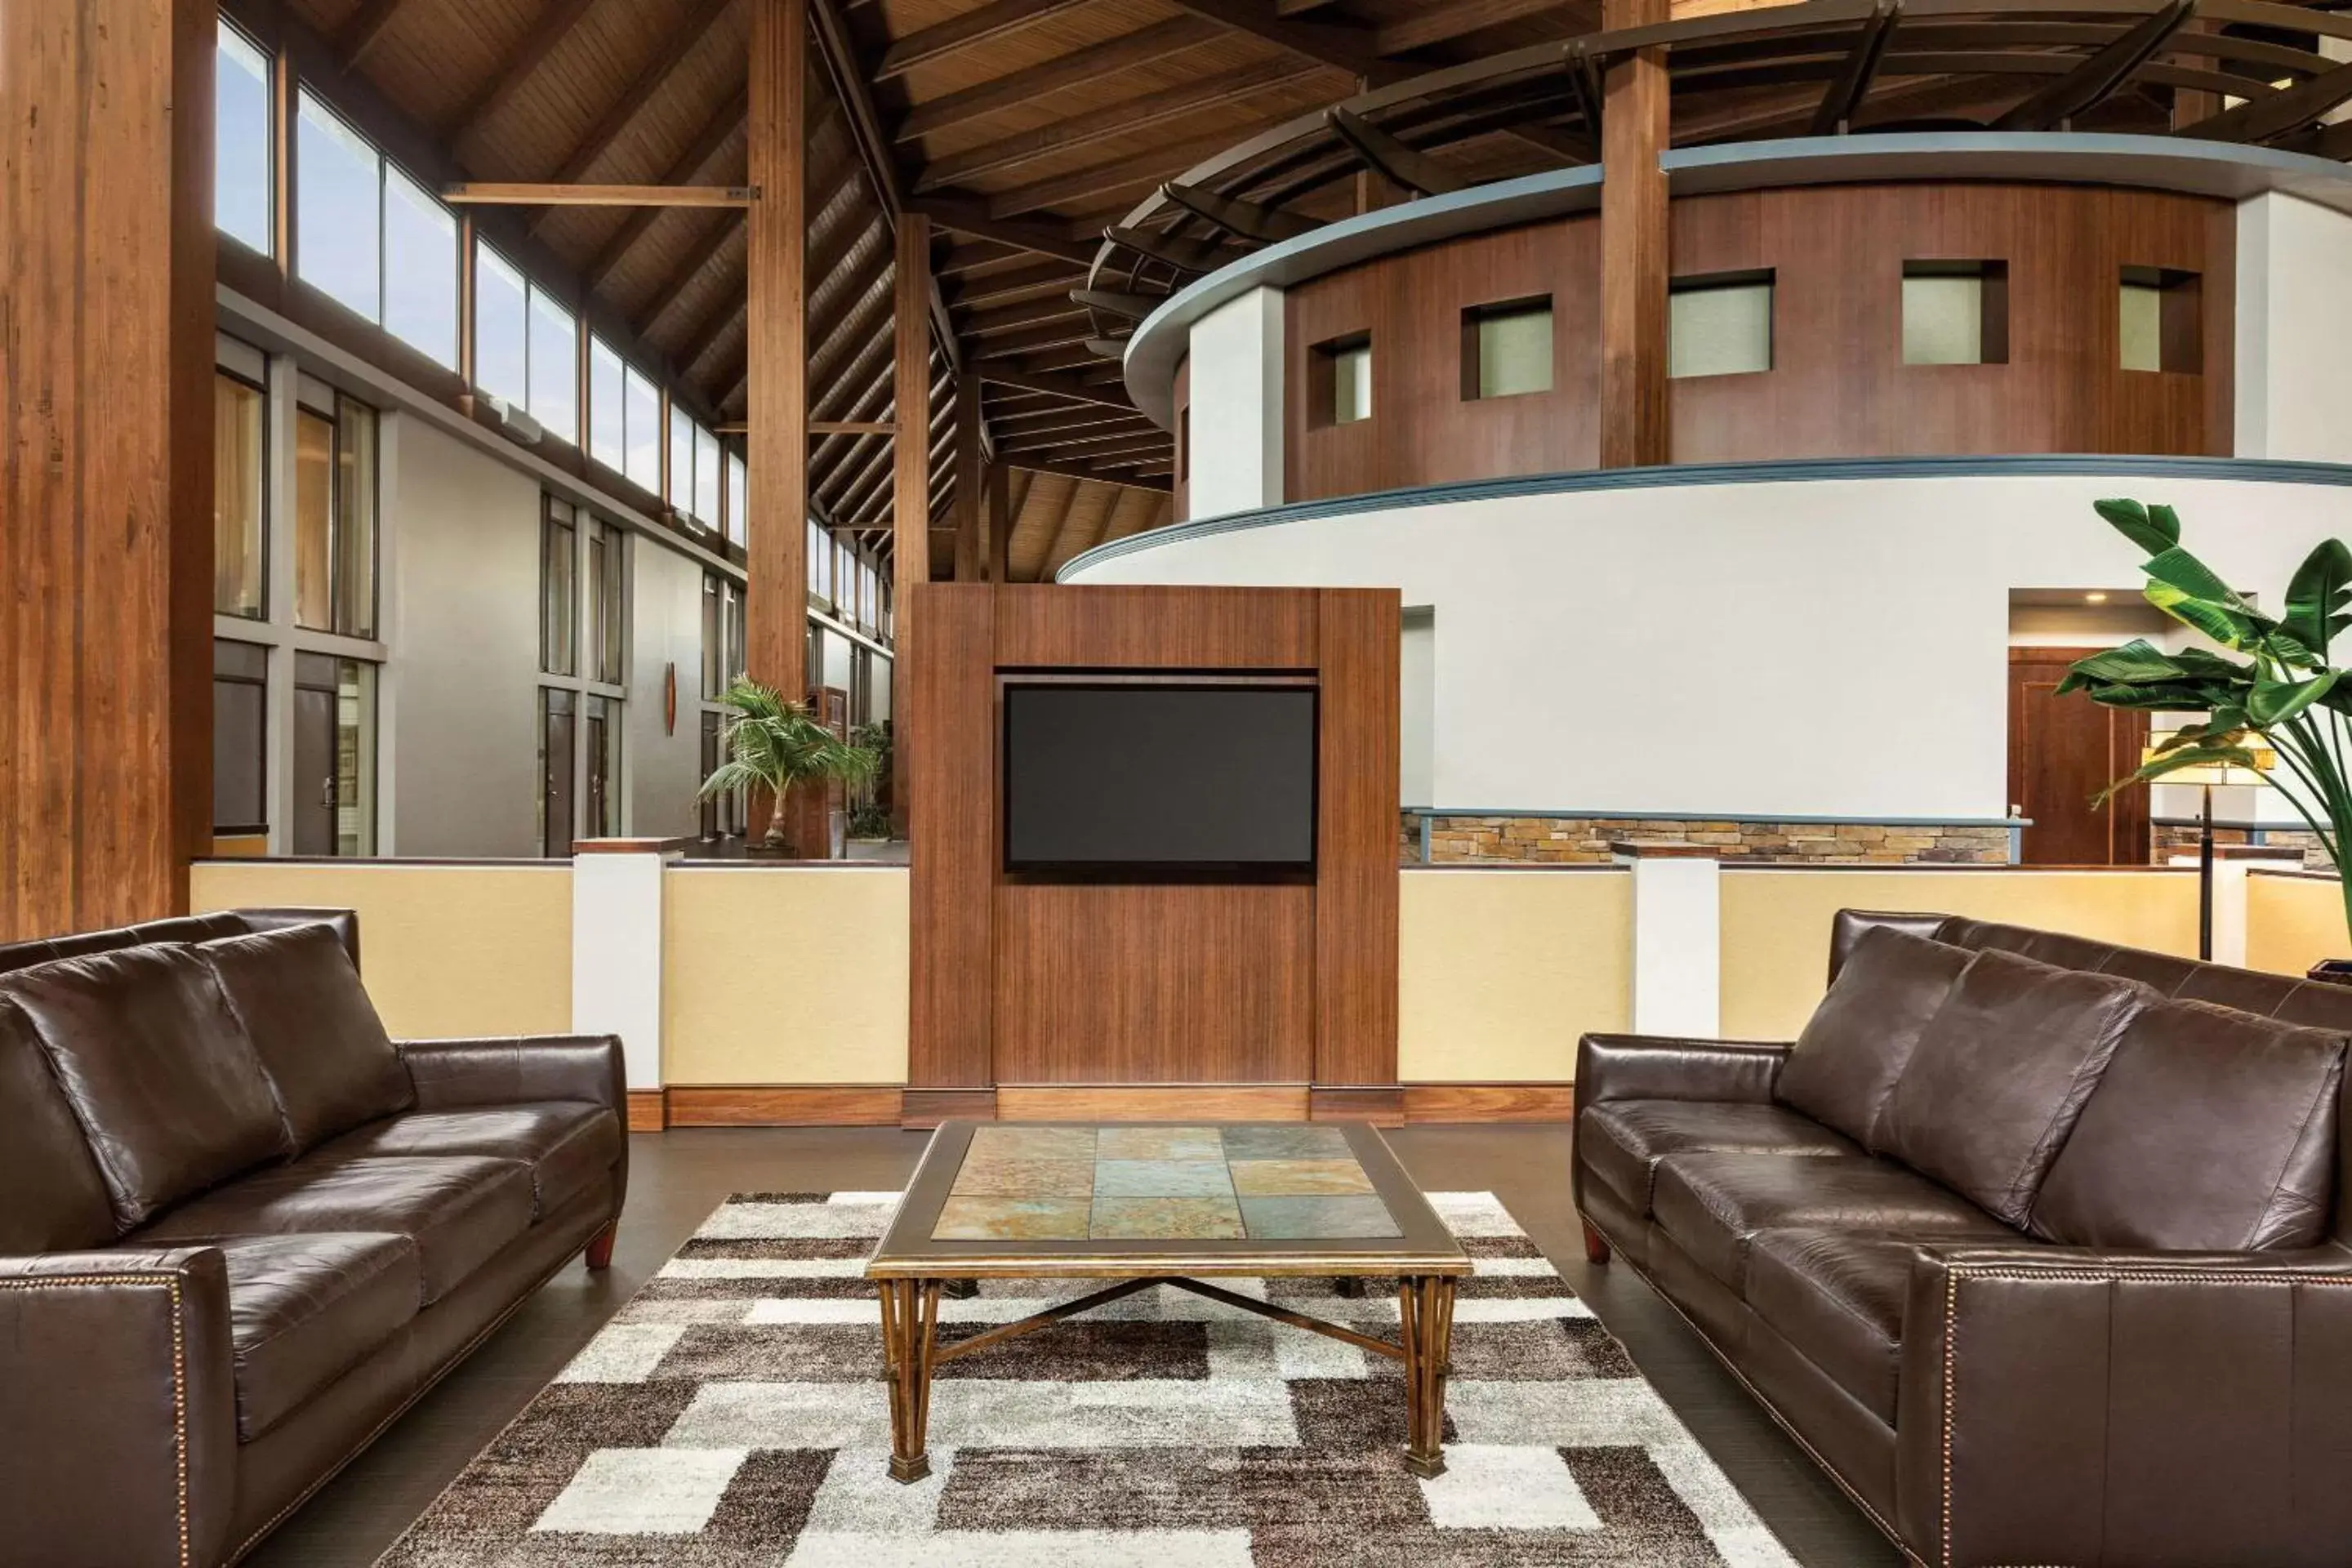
(1146, 1204)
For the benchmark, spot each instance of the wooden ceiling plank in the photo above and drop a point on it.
(364, 32)
(985, 323)
(1054, 535)
(672, 287)
(1452, 19)
(683, 41)
(957, 34)
(716, 133)
(965, 215)
(1014, 345)
(1145, 168)
(1079, 471)
(1058, 385)
(1091, 63)
(1351, 48)
(1045, 277)
(511, 74)
(519, 192)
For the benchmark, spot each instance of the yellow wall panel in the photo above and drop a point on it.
(775, 974)
(1500, 971)
(2292, 922)
(446, 950)
(1776, 924)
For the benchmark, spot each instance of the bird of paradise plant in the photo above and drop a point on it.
(2283, 689)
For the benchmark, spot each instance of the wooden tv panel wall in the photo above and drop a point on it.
(1094, 1000)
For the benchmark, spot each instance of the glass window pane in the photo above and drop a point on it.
(739, 501)
(337, 210)
(314, 521)
(420, 270)
(1352, 385)
(706, 477)
(242, 172)
(554, 368)
(2142, 326)
(605, 602)
(240, 726)
(501, 308)
(714, 640)
(1514, 348)
(238, 552)
(559, 599)
(644, 433)
(1719, 329)
(355, 757)
(355, 490)
(681, 462)
(607, 430)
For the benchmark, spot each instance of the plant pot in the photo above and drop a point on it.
(2333, 971)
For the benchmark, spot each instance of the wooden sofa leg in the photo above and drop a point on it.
(1596, 1245)
(600, 1246)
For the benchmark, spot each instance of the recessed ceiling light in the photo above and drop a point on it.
(2095, 599)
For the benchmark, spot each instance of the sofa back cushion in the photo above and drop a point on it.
(1856, 1043)
(2211, 1129)
(51, 1199)
(167, 1089)
(2000, 1074)
(300, 1002)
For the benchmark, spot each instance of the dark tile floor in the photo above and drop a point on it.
(678, 1177)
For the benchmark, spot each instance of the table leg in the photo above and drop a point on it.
(1425, 1306)
(910, 1321)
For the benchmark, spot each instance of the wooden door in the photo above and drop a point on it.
(559, 767)
(2061, 751)
(314, 804)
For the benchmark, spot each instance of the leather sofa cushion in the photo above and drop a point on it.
(569, 1146)
(459, 1211)
(329, 1060)
(1712, 1205)
(165, 1085)
(304, 1310)
(51, 1199)
(1837, 1296)
(1621, 1141)
(2001, 1072)
(2211, 1130)
(1855, 1045)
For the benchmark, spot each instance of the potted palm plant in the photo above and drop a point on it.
(2283, 692)
(775, 745)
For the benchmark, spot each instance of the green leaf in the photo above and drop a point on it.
(2157, 766)
(2154, 530)
(2137, 661)
(2318, 594)
(2277, 701)
(2183, 571)
(2222, 624)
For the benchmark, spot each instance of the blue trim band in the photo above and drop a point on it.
(2268, 470)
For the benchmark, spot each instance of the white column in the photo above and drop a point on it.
(1236, 358)
(617, 948)
(1677, 941)
(2294, 382)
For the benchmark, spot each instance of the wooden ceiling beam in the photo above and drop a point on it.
(1385, 155)
(1057, 386)
(527, 193)
(1450, 19)
(514, 72)
(716, 133)
(1080, 471)
(2090, 84)
(1045, 277)
(1091, 63)
(955, 35)
(1052, 335)
(1093, 448)
(1847, 91)
(364, 32)
(1137, 169)
(683, 40)
(968, 216)
(1351, 48)
(986, 324)
(2276, 113)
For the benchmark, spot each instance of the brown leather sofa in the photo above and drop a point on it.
(241, 1230)
(2039, 1246)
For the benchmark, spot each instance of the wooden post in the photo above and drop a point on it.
(105, 459)
(776, 440)
(910, 501)
(1000, 523)
(967, 478)
(1633, 133)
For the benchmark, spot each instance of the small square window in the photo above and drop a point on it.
(1720, 325)
(1340, 380)
(1955, 313)
(1506, 349)
(2161, 320)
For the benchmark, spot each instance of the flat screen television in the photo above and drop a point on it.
(1104, 777)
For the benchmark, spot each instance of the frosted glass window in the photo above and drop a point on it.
(338, 211)
(707, 476)
(1719, 328)
(2143, 326)
(607, 425)
(681, 462)
(554, 367)
(641, 422)
(501, 327)
(1510, 350)
(1351, 384)
(1943, 319)
(739, 501)
(420, 270)
(243, 176)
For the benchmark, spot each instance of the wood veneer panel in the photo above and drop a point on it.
(944, 642)
(1155, 983)
(1356, 871)
(1634, 230)
(1490, 1102)
(776, 345)
(648, 1110)
(786, 1105)
(1041, 626)
(1191, 1102)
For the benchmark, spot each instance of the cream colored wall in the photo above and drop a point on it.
(1776, 924)
(1499, 972)
(2292, 922)
(446, 950)
(776, 976)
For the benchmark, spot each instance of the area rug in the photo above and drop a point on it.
(733, 1415)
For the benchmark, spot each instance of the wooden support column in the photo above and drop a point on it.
(105, 459)
(1633, 133)
(1000, 523)
(776, 438)
(968, 481)
(910, 501)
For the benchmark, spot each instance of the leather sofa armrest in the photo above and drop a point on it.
(118, 1427)
(1662, 1067)
(2094, 1407)
(513, 1070)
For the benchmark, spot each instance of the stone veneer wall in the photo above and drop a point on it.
(2164, 843)
(1585, 840)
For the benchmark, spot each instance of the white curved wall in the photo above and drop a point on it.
(1799, 647)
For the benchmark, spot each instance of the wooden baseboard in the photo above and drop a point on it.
(1382, 1105)
(1490, 1102)
(796, 1105)
(648, 1110)
(1151, 1102)
(927, 1108)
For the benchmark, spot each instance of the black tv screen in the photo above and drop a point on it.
(1153, 777)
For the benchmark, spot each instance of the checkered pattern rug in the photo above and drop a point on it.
(733, 1415)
